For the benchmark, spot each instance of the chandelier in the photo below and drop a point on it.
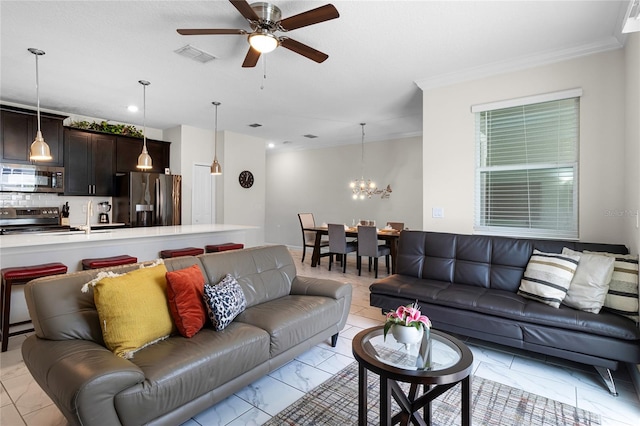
(364, 188)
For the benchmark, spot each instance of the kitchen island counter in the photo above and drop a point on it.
(71, 247)
(62, 240)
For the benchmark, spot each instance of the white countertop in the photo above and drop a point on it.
(35, 239)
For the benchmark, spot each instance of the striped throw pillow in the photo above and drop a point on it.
(622, 297)
(548, 276)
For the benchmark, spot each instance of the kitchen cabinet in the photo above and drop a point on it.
(128, 149)
(89, 163)
(19, 127)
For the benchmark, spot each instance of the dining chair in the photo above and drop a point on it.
(309, 237)
(398, 226)
(339, 245)
(368, 246)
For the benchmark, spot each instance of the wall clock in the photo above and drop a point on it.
(246, 179)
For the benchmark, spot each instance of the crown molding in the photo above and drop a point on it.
(518, 64)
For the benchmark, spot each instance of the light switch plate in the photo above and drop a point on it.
(437, 212)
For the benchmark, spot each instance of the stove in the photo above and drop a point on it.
(18, 220)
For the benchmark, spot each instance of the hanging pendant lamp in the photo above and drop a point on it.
(144, 159)
(364, 188)
(39, 149)
(216, 168)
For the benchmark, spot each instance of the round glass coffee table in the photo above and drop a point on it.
(437, 363)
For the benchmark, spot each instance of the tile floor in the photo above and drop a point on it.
(22, 402)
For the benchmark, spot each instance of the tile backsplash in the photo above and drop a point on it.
(77, 205)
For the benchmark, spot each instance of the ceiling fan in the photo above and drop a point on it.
(265, 20)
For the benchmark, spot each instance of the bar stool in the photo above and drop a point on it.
(187, 251)
(105, 262)
(21, 275)
(215, 248)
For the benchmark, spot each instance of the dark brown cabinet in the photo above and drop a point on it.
(128, 149)
(89, 163)
(19, 127)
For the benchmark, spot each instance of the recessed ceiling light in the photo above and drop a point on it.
(132, 108)
(271, 145)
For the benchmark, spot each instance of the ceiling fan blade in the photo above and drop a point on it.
(209, 31)
(310, 17)
(245, 10)
(251, 59)
(303, 49)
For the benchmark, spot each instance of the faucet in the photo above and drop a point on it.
(87, 227)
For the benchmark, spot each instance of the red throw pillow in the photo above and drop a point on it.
(185, 288)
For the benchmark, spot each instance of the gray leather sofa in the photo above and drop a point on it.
(467, 285)
(170, 381)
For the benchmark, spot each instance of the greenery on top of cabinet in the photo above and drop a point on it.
(103, 126)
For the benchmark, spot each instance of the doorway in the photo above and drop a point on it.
(202, 195)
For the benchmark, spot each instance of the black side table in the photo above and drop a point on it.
(451, 363)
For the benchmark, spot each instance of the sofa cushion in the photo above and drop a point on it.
(293, 319)
(622, 296)
(548, 276)
(224, 301)
(177, 370)
(590, 283)
(133, 309)
(185, 291)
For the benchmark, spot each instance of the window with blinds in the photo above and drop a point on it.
(527, 167)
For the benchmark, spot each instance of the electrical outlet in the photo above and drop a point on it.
(437, 212)
(84, 208)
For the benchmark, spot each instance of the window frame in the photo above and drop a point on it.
(480, 225)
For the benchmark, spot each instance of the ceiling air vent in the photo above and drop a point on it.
(255, 125)
(310, 136)
(194, 53)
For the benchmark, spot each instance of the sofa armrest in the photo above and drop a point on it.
(80, 376)
(327, 288)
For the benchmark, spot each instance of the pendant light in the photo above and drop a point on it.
(216, 168)
(144, 159)
(39, 149)
(364, 188)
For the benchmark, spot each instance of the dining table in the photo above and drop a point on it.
(389, 236)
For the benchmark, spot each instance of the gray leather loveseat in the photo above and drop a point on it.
(170, 381)
(468, 285)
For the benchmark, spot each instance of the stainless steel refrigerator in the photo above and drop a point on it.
(148, 199)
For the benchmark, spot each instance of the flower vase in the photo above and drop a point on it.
(405, 334)
(424, 356)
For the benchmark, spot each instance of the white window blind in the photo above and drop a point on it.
(527, 169)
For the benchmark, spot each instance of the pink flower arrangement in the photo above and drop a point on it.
(408, 316)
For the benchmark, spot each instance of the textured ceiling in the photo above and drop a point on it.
(96, 51)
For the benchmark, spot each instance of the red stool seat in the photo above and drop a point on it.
(187, 251)
(105, 262)
(21, 275)
(214, 248)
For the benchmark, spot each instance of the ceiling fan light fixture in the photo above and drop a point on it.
(263, 41)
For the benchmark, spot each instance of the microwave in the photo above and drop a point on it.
(31, 178)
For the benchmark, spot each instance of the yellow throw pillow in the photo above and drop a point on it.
(133, 309)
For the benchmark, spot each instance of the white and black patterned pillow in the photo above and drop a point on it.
(224, 301)
(548, 276)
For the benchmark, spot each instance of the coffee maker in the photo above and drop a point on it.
(104, 208)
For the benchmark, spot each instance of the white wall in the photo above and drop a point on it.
(448, 141)
(189, 145)
(317, 181)
(632, 143)
(235, 204)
